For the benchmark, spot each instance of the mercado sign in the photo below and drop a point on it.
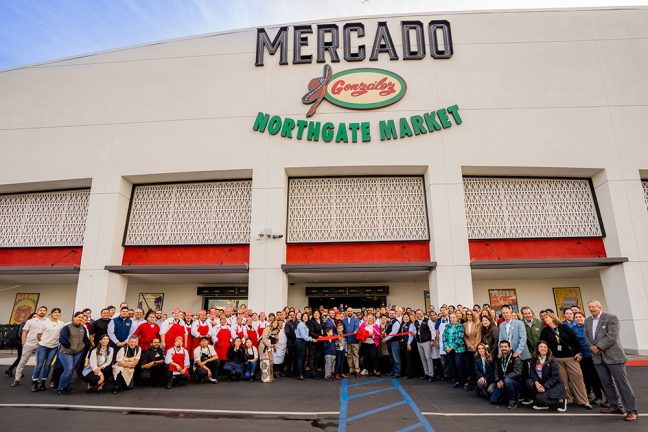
(357, 89)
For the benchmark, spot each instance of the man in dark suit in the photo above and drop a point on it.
(602, 335)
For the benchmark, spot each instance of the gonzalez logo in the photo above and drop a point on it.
(362, 89)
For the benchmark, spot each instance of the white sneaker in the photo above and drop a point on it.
(364, 372)
(540, 407)
(562, 406)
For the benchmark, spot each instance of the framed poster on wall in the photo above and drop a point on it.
(501, 297)
(150, 301)
(24, 306)
(566, 297)
(426, 299)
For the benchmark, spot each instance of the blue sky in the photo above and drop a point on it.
(33, 31)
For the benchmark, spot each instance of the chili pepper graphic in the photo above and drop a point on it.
(317, 87)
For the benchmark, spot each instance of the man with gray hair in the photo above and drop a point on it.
(602, 335)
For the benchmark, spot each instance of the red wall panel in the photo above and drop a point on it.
(181, 255)
(41, 256)
(510, 249)
(364, 252)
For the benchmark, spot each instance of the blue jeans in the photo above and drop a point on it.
(68, 361)
(508, 393)
(44, 359)
(394, 357)
(457, 368)
(250, 368)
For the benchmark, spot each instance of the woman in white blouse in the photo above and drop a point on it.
(99, 366)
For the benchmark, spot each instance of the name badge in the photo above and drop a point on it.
(559, 348)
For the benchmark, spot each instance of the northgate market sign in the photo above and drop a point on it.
(361, 88)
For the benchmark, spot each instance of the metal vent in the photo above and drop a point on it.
(190, 214)
(530, 208)
(56, 218)
(353, 209)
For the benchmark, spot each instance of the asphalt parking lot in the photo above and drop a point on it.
(359, 404)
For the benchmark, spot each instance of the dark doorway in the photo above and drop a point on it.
(344, 302)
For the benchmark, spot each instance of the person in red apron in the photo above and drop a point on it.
(188, 321)
(178, 360)
(171, 329)
(239, 329)
(222, 337)
(252, 333)
(214, 317)
(262, 324)
(200, 327)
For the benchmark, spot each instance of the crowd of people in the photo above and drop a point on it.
(506, 358)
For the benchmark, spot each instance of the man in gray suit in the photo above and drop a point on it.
(602, 335)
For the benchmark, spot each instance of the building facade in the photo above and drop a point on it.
(486, 157)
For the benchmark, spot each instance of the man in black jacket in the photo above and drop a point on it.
(424, 342)
(289, 329)
(152, 369)
(508, 375)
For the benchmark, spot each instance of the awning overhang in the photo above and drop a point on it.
(547, 263)
(364, 267)
(179, 270)
(39, 270)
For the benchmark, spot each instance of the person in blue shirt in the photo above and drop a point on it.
(301, 338)
(569, 318)
(351, 325)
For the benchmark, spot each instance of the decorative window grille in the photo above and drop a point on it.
(645, 188)
(349, 209)
(56, 218)
(530, 208)
(190, 214)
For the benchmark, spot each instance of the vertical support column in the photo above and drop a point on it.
(268, 284)
(451, 281)
(625, 285)
(102, 246)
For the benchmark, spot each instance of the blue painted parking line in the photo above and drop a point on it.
(410, 427)
(344, 392)
(375, 410)
(368, 382)
(413, 407)
(407, 400)
(371, 392)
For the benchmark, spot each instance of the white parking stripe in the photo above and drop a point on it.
(172, 410)
(515, 414)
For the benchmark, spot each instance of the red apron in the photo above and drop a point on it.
(253, 336)
(240, 332)
(190, 341)
(223, 344)
(178, 358)
(174, 331)
(203, 330)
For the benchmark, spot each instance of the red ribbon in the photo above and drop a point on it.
(330, 338)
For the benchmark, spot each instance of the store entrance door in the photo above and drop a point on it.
(345, 302)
